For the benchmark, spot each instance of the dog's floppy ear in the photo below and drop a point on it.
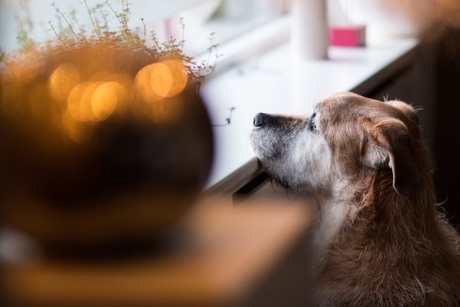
(407, 110)
(390, 140)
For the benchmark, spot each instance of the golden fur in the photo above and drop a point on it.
(381, 238)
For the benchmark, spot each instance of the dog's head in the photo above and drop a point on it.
(347, 139)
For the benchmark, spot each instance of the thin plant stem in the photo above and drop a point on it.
(57, 35)
(66, 21)
(95, 27)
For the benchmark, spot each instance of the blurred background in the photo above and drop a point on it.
(218, 28)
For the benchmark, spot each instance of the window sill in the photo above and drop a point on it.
(273, 82)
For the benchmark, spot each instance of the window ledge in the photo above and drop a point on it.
(267, 79)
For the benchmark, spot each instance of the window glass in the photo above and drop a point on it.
(230, 19)
(193, 21)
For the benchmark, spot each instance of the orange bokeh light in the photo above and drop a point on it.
(95, 101)
(79, 102)
(106, 98)
(153, 82)
(179, 74)
(62, 81)
(159, 80)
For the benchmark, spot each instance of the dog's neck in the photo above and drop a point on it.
(373, 202)
(375, 207)
(332, 215)
(335, 209)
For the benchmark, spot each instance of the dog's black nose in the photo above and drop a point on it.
(258, 120)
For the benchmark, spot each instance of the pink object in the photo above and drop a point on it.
(347, 36)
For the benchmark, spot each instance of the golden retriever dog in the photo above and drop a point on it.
(380, 237)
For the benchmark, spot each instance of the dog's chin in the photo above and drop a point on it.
(272, 167)
(300, 185)
(262, 146)
(275, 178)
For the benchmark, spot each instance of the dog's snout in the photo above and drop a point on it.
(259, 120)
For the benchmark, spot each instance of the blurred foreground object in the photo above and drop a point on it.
(102, 143)
(256, 254)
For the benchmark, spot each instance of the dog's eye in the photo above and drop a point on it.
(312, 123)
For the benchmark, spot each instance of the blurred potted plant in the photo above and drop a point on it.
(104, 141)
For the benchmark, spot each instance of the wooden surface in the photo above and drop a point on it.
(223, 255)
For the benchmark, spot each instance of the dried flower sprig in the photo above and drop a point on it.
(69, 33)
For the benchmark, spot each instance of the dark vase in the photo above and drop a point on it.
(92, 156)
